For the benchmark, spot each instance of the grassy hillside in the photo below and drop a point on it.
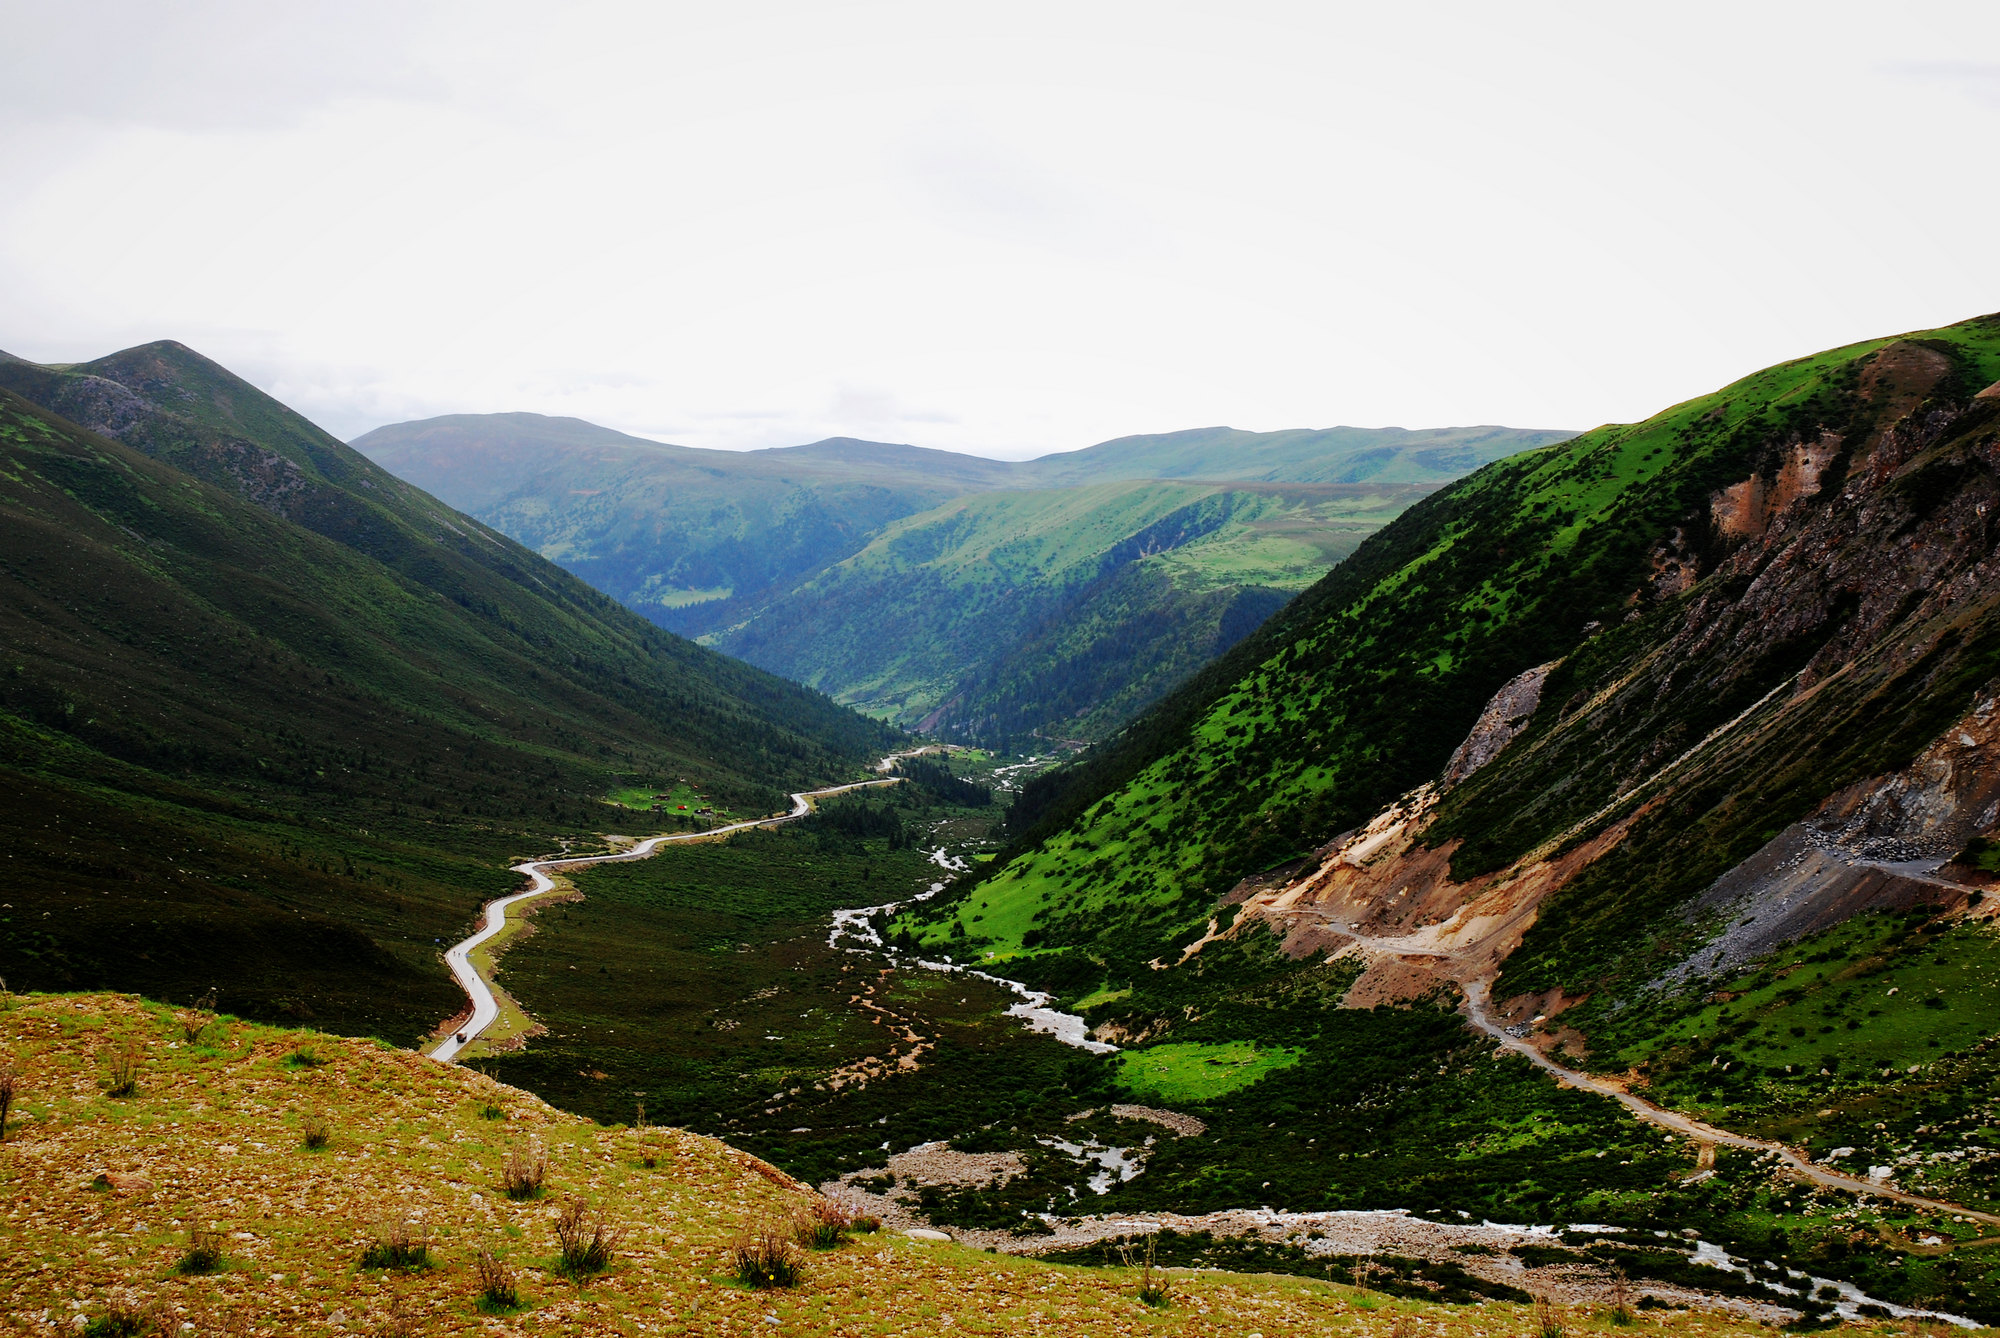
(278, 729)
(1363, 686)
(1299, 455)
(104, 1191)
(690, 538)
(1061, 611)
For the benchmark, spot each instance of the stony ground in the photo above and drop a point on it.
(98, 1194)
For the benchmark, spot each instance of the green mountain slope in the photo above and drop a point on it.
(690, 538)
(1362, 688)
(1735, 851)
(274, 721)
(1299, 455)
(1681, 738)
(1061, 612)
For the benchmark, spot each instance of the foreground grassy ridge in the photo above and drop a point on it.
(1360, 688)
(211, 1139)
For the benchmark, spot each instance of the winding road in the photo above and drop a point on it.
(1475, 1012)
(485, 1007)
(1476, 993)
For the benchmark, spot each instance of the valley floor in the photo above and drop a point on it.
(703, 985)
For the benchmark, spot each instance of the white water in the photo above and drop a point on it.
(1116, 1165)
(1852, 1298)
(1033, 1010)
(1001, 773)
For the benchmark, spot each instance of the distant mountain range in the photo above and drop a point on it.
(1073, 591)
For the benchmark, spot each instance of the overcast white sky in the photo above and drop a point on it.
(998, 228)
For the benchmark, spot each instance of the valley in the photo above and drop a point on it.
(1571, 881)
(876, 1050)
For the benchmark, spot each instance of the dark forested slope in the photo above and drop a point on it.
(273, 720)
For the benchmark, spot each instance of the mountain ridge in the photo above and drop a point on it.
(731, 550)
(272, 720)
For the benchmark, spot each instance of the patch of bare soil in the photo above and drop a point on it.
(1186, 1126)
(1481, 1248)
(905, 1055)
(1380, 894)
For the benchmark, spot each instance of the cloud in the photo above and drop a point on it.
(979, 184)
(239, 64)
(1981, 82)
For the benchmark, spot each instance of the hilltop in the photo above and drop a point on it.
(105, 1190)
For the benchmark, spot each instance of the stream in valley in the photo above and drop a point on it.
(1101, 1167)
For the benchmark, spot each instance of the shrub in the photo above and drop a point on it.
(314, 1132)
(1548, 1319)
(1152, 1291)
(522, 1176)
(867, 1224)
(497, 1293)
(121, 1320)
(583, 1241)
(305, 1057)
(402, 1246)
(10, 1085)
(204, 1254)
(197, 1018)
(129, 1319)
(489, 1111)
(122, 1061)
(768, 1258)
(821, 1226)
(1621, 1299)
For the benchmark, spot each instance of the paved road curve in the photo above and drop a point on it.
(485, 1008)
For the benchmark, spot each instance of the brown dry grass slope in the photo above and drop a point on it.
(101, 1197)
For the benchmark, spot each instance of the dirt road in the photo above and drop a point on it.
(458, 957)
(1687, 1126)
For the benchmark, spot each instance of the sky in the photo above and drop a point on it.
(1003, 229)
